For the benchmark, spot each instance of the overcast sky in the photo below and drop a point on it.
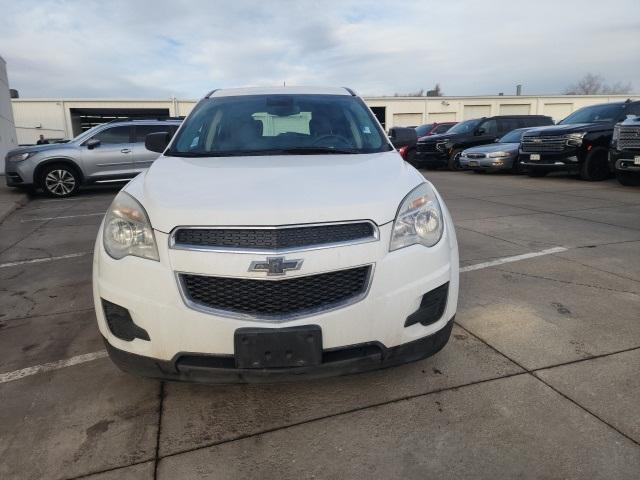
(185, 48)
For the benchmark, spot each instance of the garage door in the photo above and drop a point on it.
(476, 111)
(407, 119)
(557, 111)
(441, 117)
(515, 109)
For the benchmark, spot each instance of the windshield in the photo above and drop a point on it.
(465, 127)
(422, 130)
(279, 125)
(597, 113)
(514, 136)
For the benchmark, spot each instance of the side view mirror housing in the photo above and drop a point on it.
(480, 131)
(93, 143)
(157, 142)
(403, 137)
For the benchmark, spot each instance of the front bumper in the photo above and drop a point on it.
(150, 292)
(487, 164)
(431, 159)
(221, 369)
(624, 161)
(18, 174)
(566, 160)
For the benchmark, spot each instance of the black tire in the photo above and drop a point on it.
(454, 160)
(537, 172)
(595, 167)
(59, 180)
(516, 167)
(628, 179)
(411, 156)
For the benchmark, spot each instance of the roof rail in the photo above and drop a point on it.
(211, 92)
(351, 92)
(132, 119)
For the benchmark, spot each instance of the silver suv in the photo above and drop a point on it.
(109, 152)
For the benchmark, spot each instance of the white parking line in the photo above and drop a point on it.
(88, 357)
(43, 260)
(48, 367)
(42, 219)
(515, 258)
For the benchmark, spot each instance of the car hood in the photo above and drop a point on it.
(494, 147)
(273, 190)
(39, 148)
(439, 137)
(570, 128)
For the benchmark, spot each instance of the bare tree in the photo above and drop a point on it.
(592, 84)
(436, 92)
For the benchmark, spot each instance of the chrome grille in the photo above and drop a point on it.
(544, 144)
(476, 155)
(274, 300)
(628, 137)
(272, 239)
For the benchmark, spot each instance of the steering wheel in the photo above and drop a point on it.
(333, 137)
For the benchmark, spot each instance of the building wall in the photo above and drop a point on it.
(8, 139)
(51, 117)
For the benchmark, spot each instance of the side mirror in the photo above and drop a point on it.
(480, 131)
(403, 137)
(93, 143)
(157, 142)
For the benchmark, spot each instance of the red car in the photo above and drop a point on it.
(424, 131)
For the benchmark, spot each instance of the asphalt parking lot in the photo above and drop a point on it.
(540, 378)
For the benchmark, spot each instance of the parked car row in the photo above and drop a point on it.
(593, 142)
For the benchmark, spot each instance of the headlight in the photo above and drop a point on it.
(499, 154)
(19, 157)
(127, 230)
(419, 219)
(575, 139)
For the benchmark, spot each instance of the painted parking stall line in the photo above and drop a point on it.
(48, 367)
(89, 357)
(43, 260)
(43, 219)
(515, 258)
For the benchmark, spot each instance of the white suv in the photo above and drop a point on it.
(280, 235)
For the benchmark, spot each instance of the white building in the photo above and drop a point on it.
(65, 118)
(8, 138)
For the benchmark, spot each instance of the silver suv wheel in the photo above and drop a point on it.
(59, 181)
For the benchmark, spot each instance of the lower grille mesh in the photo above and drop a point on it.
(276, 298)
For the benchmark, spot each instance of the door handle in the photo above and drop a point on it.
(126, 150)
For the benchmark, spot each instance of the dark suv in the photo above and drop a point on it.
(579, 143)
(624, 155)
(444, 149)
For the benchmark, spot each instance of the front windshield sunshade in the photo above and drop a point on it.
(250, 125)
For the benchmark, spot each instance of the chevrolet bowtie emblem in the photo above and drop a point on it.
(275, 266)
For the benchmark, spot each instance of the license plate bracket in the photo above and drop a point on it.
(473, 163)
(534, 157)
(278, 347)
(636, 160)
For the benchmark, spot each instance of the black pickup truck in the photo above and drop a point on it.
(579, 143)
(624, 154)
(444, 150)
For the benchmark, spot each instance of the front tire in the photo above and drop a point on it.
(628, 179)
(454, 160)
(59, 180)
(595, 167)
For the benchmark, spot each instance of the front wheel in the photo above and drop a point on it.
(454, 160)
(59, 180)
(595, 167)
(628, 179)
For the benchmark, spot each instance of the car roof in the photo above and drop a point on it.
(145, 121)
(234, 92)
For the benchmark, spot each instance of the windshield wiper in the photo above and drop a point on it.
(316, 150)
